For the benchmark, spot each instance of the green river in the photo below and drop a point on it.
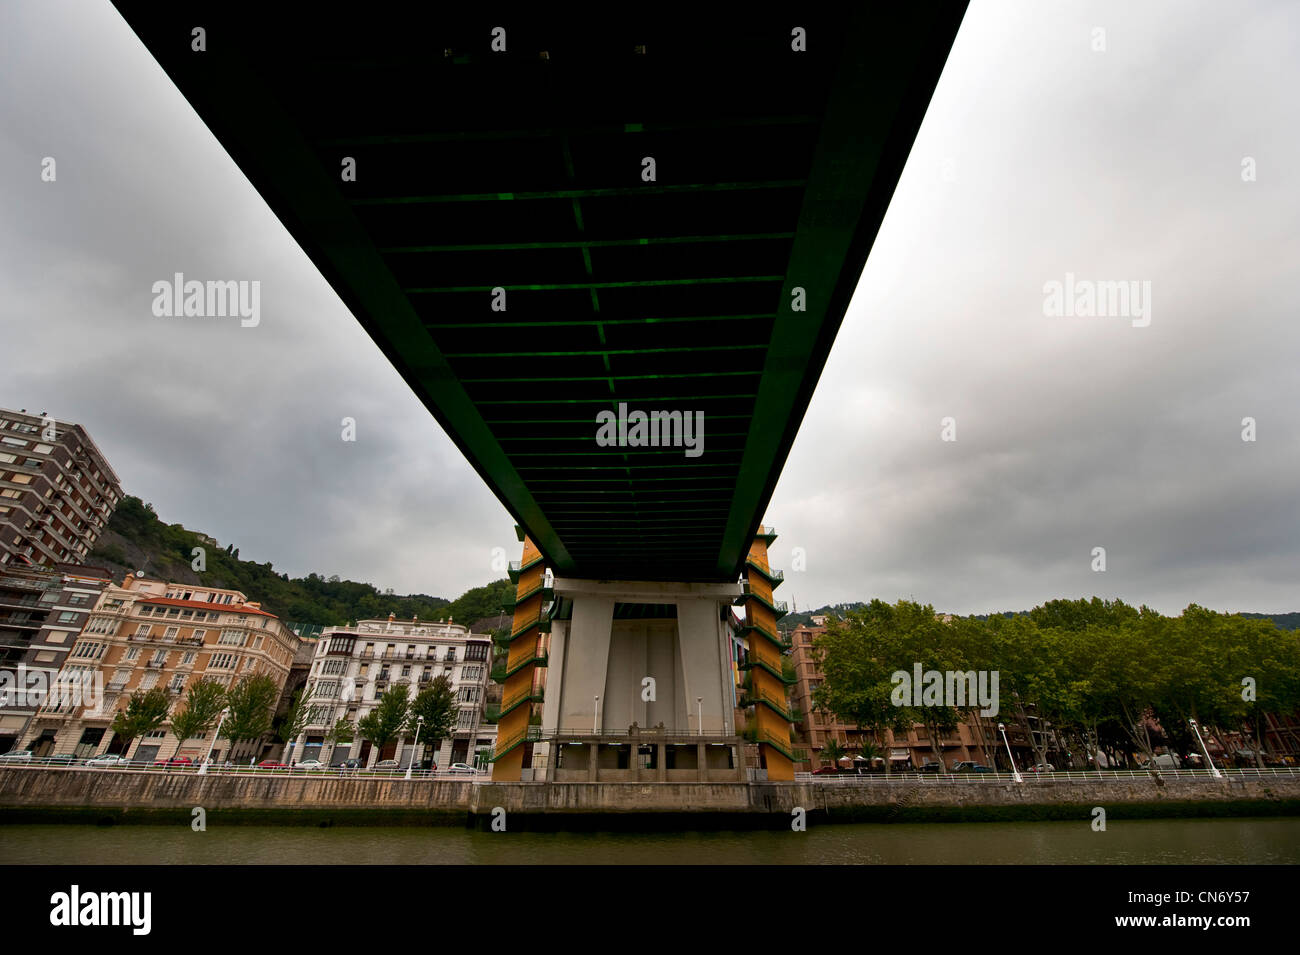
(1155, 841)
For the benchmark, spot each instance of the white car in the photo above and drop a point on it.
(108, 760)
(462, 769)
(18, 756)
(309, 764)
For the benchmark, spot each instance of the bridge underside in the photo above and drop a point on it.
(505, 243)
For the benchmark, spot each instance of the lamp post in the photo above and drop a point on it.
(419, 722)
(699, 716)
(203, 770)
(595, 719)
(1209, 762)
(1015, 773)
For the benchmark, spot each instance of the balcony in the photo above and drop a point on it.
(518, 567)
(780, 642)
(503, 671)
(548, 593)
(773, 577)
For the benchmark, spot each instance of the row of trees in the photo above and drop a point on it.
(1105, 676)
(250, 706)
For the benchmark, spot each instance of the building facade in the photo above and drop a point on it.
(148, 633)
(42, 612)
(57, 491)
(354, 666)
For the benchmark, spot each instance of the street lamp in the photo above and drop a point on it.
(1015, 773)
(1209, 762)
(419, 721)
(203, 770)
(595, 719)
(699, 715)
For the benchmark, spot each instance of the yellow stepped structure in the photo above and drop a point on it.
(520, 674)
(771, 717)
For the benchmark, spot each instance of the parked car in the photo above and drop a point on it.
(386, 766)
(930, 766)
(350, 764)
(181, 761)
(826, 771)
(18, 756)
(271, 764)
(62, 759)
(968, 766)
(462, 769)
(1041, 768)
(108, 760)
(309, 764)
(1166, 761)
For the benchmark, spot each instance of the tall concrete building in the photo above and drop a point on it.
(354, 666)
(149, 633)
(42, 612)
(56, 491)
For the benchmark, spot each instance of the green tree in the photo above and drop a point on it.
(437, 705)
(300, 715)
(833, 752)
(202, 708)
(387, 721)
(857, 655)
(251, 702)
(343, 731)
(145, 711)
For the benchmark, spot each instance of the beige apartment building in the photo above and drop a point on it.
(148, 633)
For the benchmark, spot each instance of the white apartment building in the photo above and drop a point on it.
(355, 665)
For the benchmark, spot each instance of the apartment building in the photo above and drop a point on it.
(355, 665)
(56, 491)
(148, 633)
(42, 611)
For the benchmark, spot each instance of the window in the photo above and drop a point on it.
(131, 653)
(198, 634)
(148, 681)
(171, 633)
(77, 600)
(231, 638)
(222, 661)
(142, 630)
(471, 673)
(188, 658)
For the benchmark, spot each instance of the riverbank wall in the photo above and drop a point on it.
(29, 795)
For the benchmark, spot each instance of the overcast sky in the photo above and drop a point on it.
(1040, 156)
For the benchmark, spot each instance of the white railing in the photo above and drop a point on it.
(81, 764)
(912, 778)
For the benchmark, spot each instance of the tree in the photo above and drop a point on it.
(833, 752)
(301, 714)
(201, 709)
(145, 711)
(251, 702)
(387, 720)
(856, 656)
(343, 731)
(437, 705)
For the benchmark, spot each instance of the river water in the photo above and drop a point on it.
(1155, 841)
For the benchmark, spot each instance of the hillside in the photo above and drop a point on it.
(136, 539)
